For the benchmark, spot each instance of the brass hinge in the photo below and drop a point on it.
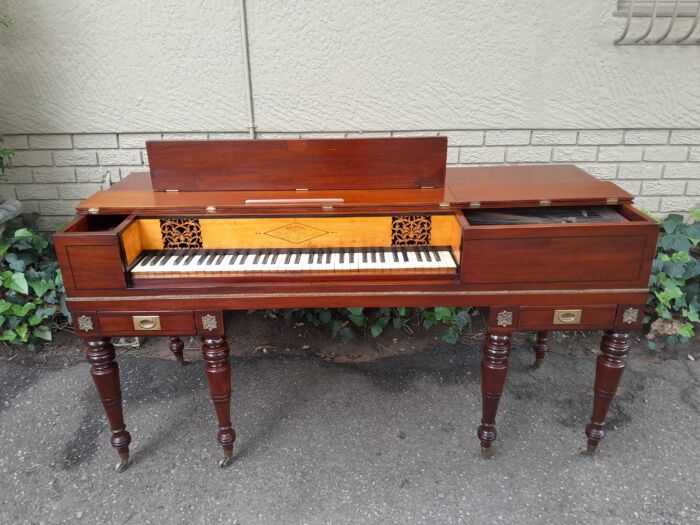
(210, 209)
(611, 200)
(427, 187)
(172, 191)
(93, 211)
(475, 204)
(545, 202)
(301, 189)
(444, 204)
(327, 207)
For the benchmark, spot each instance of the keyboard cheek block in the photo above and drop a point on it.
(237, 225)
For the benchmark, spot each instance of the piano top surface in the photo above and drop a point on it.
(497, 186)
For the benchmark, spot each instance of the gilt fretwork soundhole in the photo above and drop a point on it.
(411, 230)
(181, 233)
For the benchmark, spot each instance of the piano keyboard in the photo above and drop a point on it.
(175, 263)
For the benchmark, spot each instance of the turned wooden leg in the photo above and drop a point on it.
(609, 368)
(105, 373)
(540, 347)
(218, 370)
(494, 367)
(176, 347)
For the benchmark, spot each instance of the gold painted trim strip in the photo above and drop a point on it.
(465, 293)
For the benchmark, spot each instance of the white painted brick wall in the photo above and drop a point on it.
(51, 173)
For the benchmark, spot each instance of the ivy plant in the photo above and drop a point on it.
(675, 280)
(346, 323)
(32, 291)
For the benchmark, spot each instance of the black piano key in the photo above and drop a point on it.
(220, 259)
(145, 259)
(257, 257)
(341, 257)
(419, 256)
(179, 258)
(428, 255)
(329, 254)
(396, 255)
(155, 259)
(404, 254)
(275, 255)
(164, 259)
(437, 255)
(288, 258)
(364, 257)
(189, 257)
(381, 256)
(352, 256)
(297, 259)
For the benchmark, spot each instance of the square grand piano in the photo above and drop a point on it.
(235, 225)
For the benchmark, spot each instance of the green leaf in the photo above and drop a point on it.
(23, 233)
(40, 287)
(450, 335)
(22, 332)
(401, 311)
(18, 283)
(691, 314)
(376, 329)
(358, 320)
(42, 332)
(324, 316)
(4, 306)
(8, 335)
(686, 330)
(355, 311)
(443, 313)
(677, 242)
(22, 310)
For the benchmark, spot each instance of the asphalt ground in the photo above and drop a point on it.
(386, 442)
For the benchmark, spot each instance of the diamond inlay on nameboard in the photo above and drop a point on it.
(296, 232)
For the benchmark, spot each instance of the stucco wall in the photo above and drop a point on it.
(476, 70)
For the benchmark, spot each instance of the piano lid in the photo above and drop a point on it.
(311, 164)
(488, 187)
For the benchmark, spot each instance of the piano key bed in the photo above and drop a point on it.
(295, 261)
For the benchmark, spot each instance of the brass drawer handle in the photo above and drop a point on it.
(146, 322)
(567, 316)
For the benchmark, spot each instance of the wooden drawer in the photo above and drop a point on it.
(145, 323)
(566, 317)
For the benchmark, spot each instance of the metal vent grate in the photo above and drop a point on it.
(662, 21)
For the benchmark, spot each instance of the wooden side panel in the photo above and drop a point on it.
(131, 242)
(447, 231)
(371, 163)
(553, 260)
(96, 267)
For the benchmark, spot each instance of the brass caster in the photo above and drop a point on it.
(228, 459)
(123, 463)
(486, 452)
(589, 451)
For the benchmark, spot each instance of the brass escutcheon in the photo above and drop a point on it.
(146, 322)
(567, 316)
